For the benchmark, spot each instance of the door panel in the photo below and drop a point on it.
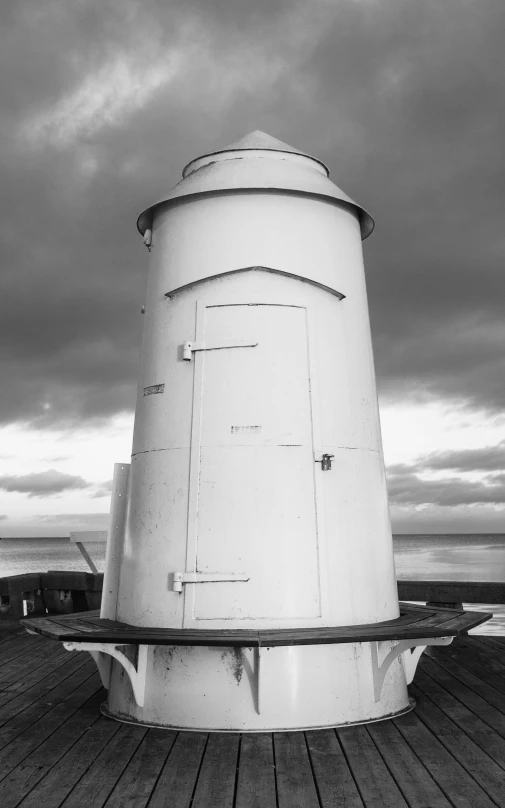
(256, 510)
(266, 387)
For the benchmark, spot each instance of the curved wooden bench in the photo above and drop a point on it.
(415, 622)
(412, 631)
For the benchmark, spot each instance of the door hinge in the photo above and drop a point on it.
(180, 578)
(190, 347)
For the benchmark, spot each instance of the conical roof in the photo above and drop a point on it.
(257, 141)
(260, 140)
(258, 162)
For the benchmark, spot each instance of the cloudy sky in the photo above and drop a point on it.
(102, 104)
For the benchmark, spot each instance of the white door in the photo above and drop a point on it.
(255, 512)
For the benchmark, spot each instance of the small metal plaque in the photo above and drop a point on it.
(153, 389)
(245, 430)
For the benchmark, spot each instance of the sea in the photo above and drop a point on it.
(437, 557)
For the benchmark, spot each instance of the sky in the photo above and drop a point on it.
(102, 104)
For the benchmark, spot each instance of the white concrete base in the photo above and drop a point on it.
(252, 690)
(127, 720)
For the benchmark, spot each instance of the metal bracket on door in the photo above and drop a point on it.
(181, 578)
(190, 347)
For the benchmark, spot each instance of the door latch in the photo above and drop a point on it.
(325, 462)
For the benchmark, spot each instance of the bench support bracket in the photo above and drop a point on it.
(411, 650)
(103, 652)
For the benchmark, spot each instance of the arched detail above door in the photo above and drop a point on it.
(325, 288)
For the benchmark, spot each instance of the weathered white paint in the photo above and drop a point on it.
(227, 689)
(115, 541)
(384, 654)
(253, 165)
(262, 350)
(104, 652)
(167, 433)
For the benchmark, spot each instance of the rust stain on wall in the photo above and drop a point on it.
(234, 659)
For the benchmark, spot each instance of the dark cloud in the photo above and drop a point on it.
(404, 101)
(408, 488)
(471, 519)
(488, 458)
(408, 485)
(42, 484)
(3, 516)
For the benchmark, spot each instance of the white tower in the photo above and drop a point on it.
(257, 495)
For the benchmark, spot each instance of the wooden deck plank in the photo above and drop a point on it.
(36, 651)
(20, 646)
(334, 781)
(479, 641)
(32, 703)
(469, 661)
(295, 782)
(256, 775)
(16, 674)
(491, 644)
(98, 782)
(473, 701)
(50, 726)
(376, 785)
(25, 719)
(494, 662)
(56, 664)
(12, 638)
(413, 779)
(178, 777)
(479, 732)
(68, 771)
(32, 686)
(488, 774)
(34, 767)
(9, 630)
(494, 653)
(134, 787)
(451, 777)
(494, 640)
(469, 680)
(218, 774)
(17, 665)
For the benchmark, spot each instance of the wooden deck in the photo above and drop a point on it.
(56, 749)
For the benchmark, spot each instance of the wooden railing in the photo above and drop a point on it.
(52, 592)
(56, 592)
(452, 594)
